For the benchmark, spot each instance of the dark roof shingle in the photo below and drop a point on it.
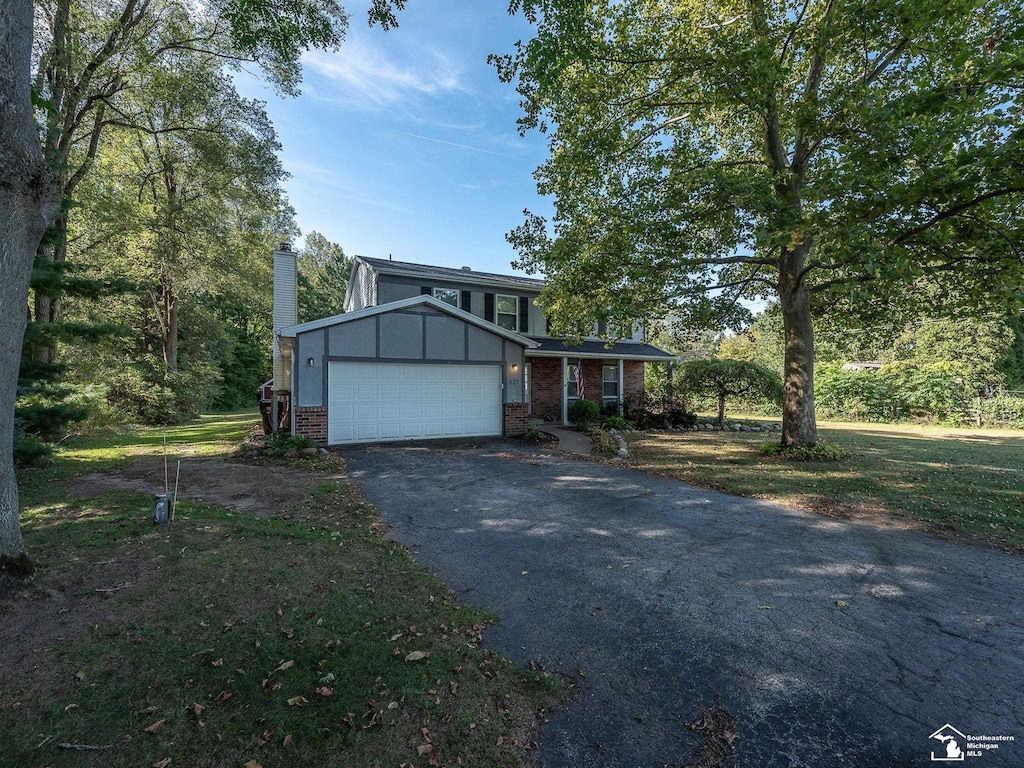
(619, 349)
(450, 273)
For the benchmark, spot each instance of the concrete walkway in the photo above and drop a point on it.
(569, 441)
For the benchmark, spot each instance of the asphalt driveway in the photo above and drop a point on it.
(833, 643)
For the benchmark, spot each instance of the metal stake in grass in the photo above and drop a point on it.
(174, 501)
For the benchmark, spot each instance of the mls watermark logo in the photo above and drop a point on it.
(957, 745)
(953, 741)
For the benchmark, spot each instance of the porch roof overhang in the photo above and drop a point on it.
(622, 350)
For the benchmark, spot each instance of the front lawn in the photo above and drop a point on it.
(298, 637)
(966, 480)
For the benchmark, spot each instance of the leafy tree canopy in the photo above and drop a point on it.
(323, 278)
(847, 159)
(722, 379)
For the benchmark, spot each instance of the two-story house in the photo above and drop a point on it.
(429, 352)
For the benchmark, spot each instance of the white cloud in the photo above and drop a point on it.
(364, 75)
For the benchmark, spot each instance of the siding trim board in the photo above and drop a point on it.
(411, 361)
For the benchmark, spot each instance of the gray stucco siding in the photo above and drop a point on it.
(484, 345)
(395, 287)
(401, 335)
(445, 338)
(307, 380)
(358, 338)
(409, 335)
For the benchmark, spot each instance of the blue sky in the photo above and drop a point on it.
(405, 143)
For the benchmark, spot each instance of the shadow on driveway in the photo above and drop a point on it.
(833, 643)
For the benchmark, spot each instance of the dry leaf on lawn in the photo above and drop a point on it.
(423, 749)
(416, 655)
(162, 763)
(154, 727)
(252, 764)
(298, 701)
(285, 665)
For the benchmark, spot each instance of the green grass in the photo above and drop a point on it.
(966, 480)
(217, 623)
(208, 436)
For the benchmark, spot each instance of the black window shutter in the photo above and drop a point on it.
(547, 325)
(524, 314)
(467, 301)
(489, 307)
(602, 328)
(424, 290)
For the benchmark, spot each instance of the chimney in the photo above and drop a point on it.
(285, 311)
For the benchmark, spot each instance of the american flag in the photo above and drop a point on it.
(577, 376)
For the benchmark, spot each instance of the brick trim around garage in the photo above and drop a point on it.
(516, 415)
(311, 422)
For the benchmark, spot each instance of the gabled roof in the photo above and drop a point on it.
(412, 301)
(427, 272)
(628, 350)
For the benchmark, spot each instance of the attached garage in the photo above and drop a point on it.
(375, 402)
(414, 369)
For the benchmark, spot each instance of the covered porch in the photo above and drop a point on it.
(559, 375)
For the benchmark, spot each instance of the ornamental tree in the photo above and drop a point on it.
(853, 161)
(723, 378)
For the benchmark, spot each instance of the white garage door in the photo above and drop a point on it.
(372, 402)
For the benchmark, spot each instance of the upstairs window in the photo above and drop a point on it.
(507, 315)
(448, 296)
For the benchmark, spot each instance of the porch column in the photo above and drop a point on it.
(565, 390)
(622, 384)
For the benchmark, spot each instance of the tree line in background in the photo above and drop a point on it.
(855, 162)
(151, 292)
(955, 371)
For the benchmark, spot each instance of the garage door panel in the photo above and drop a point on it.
(390, 391)
(372, 402)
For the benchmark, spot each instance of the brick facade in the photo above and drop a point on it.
(516, 416)
(633, 378)
(546, 383)
(546, 388)
(311, 422)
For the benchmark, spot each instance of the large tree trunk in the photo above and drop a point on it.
(721, 409)
(29, 201)
(799, 426)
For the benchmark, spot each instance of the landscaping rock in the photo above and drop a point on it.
(324, 452)
(308, 453)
